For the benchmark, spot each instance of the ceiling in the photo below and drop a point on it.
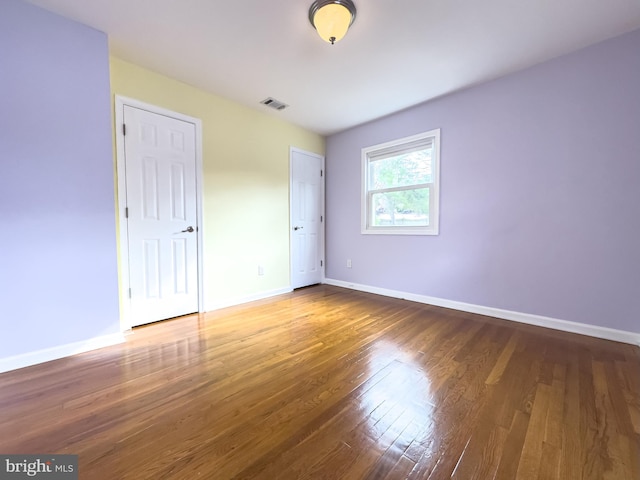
(398, 53)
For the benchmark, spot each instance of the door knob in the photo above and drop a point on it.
(187, 230)
(298, 228)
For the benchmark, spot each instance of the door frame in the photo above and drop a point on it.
(322, 209)
(121, 194)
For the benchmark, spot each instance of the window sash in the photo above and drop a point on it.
(413, 186)
(371, 211)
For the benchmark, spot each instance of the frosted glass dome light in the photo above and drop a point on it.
(332, 18)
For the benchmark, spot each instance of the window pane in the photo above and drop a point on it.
(404, 208)
(401, 170)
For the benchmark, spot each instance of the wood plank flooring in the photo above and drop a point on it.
(330, 383)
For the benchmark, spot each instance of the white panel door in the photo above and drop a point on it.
(160, 158)
(306, 218)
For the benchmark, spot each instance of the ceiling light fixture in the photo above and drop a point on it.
(332, 18)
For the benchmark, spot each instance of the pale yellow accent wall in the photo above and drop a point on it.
(246, 182)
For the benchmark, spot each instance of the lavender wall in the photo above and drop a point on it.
(540, 209)
(58, 277)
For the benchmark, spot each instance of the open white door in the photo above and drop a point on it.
(307, 222)
(161, 215)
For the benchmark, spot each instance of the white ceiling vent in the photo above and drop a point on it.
(273, 103)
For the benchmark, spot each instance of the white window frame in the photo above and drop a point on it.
(434, 188)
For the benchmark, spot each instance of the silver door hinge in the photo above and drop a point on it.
(321, 263)
(126, 212)
(321, 173)
(124, 129)
(129, 292)
(321, 218)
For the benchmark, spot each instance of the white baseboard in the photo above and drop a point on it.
(538, 320)
(246, 299)
(54, 353)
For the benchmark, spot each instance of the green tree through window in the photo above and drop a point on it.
(405, 206)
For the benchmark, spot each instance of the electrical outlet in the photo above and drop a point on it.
(348, 263)
(260, 270)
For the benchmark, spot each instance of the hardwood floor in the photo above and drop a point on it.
(331, 383)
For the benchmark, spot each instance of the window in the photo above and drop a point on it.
(400, 186)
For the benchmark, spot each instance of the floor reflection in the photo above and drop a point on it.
(395, 407)
(156, 348)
